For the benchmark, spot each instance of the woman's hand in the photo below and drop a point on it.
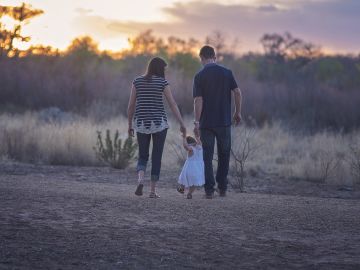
(183, 130)
(131, 131)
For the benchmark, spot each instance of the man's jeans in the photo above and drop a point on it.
(223, 141)
(156, 155)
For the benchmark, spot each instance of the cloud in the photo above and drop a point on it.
(332, 23)
(83, 11)
(268, 8)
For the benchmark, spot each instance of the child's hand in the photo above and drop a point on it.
(198, 140)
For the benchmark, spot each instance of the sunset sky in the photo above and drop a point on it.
(333, 24)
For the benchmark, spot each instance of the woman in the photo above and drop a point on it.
(147, 116)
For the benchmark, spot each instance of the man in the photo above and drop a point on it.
(213, 86)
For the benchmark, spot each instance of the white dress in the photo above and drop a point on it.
(192, 173)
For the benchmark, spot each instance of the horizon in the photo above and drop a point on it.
(63, 22)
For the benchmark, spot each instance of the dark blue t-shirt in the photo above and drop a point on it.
(214, 84)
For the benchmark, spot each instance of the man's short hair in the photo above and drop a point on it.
(207, 52)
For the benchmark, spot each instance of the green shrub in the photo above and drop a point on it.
(113, 151)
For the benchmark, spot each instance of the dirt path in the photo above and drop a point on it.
(53, 222)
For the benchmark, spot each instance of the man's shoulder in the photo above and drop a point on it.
(199, 73)
(208, 70)
(217, 67)
(225, 69)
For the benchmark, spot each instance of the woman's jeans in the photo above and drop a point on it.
(156, 155)
(223, 142)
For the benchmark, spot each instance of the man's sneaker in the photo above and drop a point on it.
(222, 193)
(209, 195)
(139, 190)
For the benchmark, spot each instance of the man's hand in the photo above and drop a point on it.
(237, 118)
(196, 130)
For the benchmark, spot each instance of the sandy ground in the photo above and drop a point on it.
(88, 218)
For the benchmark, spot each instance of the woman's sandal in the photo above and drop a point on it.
(180, 189)
(139, 190)
(153, 195)
(189, 196)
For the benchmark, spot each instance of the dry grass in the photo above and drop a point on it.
(322, 157)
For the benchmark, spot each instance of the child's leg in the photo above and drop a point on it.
(181, 189)
(191, 189)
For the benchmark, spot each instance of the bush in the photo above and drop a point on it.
(243, 148)
(114, 152)
(354, 161)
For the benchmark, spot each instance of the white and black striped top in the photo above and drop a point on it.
(150, 116)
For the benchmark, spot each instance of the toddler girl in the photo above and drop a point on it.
(192, 174)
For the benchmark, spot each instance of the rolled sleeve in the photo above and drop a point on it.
(233, 84)
(197, 90)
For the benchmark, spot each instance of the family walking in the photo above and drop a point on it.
(212, 91)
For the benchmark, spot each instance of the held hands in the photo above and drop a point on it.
(196, 130)
(183, 130)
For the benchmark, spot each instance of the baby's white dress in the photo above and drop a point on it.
(192, 173)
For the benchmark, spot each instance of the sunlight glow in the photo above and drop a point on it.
(61, 21)
(111, 22)
(64, 20)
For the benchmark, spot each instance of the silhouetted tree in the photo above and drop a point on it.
(21, 15)
(286, 46)
(40, 50)
(146, 43)
(83, 45)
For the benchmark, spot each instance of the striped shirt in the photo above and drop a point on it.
(150, 116)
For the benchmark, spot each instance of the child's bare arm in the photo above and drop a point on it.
(185, 144)
(198, 141)
(187, 147)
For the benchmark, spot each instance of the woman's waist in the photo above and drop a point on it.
(149, 114)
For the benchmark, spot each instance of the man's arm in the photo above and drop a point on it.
(237, 100)
(198, 106)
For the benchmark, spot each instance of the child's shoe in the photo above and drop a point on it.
(180, 189)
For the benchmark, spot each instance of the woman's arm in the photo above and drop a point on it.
(131, 110)
(174, 108)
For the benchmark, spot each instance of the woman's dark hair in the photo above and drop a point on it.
(207, 52)
(190, 140)
(156, 67)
